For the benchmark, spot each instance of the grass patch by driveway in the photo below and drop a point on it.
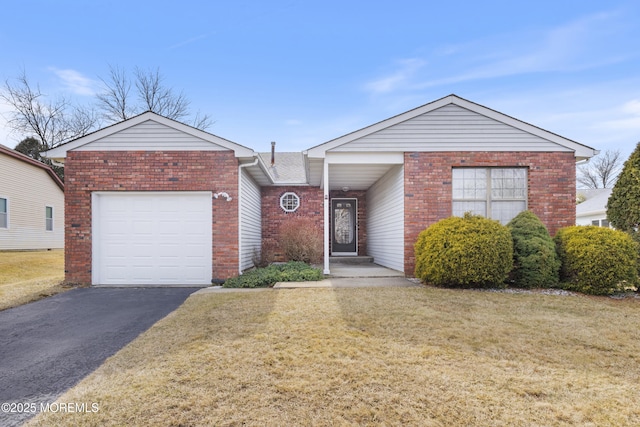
(374, 356)
(27, 276)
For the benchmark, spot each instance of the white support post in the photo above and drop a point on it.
(325, 176)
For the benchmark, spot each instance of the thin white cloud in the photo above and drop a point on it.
(189, 41)
(407, 69)
(577, 45)
(75, 82)
(628, 117)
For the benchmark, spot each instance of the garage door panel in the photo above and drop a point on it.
(152, 238)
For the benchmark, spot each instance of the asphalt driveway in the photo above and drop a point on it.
(47, 346)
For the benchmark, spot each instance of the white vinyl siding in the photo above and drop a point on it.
(250, 221)
(153, 136)
(599, 219)
(28, 189)
(451, 128)
(385, 219)
(497, 193)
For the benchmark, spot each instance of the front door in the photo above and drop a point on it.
(343, 230)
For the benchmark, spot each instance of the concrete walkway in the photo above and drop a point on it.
(367, 275)
(362, 270)
(351, 282)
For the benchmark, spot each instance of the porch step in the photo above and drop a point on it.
(351, 259)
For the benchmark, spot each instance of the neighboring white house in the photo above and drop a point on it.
(31, 203)
(593, 211)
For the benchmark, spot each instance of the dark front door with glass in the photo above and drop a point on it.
(343, 230)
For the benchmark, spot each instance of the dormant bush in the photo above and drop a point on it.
(471, 251)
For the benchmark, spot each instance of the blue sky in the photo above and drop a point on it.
(304, 72)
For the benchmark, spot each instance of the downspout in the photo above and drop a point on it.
(255, 162)
(326, 215)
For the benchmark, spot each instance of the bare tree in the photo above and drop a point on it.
(113, 101)
(602, 171)
(52, 122)
(151, 94)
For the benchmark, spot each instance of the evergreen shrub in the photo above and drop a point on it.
(466, 252)
(535, 260)
(293, 271)
(597, 260)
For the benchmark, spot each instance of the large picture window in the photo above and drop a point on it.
(497, 193)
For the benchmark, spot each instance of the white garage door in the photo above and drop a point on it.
(161, 238)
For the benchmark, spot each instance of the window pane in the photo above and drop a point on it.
(469, 183)
(49, 218)
(508, 184)
(289, 202)
(476, 208)
(605, 223)
(343, 224)
(595, 222)
(506, 211)
(3, 213)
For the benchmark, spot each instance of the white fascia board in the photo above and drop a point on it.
(581, 151)
(365, 158)
(319, 150)
(60, 152)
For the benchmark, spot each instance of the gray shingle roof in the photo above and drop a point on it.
(288, 168)
(596, 200)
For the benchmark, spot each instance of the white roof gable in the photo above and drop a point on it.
(451, 124)
(149, 132)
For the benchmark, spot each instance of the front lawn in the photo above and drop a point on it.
(374, 356)
(27, 276)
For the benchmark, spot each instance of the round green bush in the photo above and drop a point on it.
(467, 252)
(535, 260)
(597, 260)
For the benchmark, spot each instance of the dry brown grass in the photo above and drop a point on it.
(30, 275)
(380, 356)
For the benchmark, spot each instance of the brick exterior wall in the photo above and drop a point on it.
(274, 218)
(89, 171)
(428, 192)
(311, 206)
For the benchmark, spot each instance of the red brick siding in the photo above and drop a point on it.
(551, 186)
(273, 217)
(89, 171)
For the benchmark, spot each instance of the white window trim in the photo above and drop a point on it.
(46, 219)
(285, 195)
(7, 213)
(488, 198)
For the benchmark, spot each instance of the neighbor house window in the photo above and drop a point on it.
(600, 222)
(4, 213)
(289, 202)
(497, 193)
(49, 218)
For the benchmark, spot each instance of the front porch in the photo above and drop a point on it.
(359, 267)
